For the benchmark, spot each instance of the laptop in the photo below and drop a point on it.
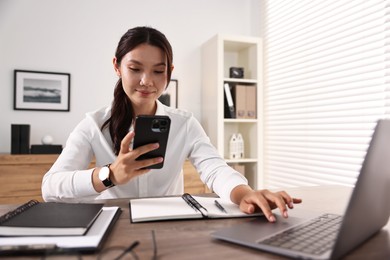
(367, 212)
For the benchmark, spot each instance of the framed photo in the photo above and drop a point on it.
(39, 90)
(170, 96)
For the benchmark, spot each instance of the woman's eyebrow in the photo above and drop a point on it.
(160, 64)
(140, 63)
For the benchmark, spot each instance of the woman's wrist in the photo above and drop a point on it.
(239, 192)
(96, 183)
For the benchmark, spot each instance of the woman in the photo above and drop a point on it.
(143, 63)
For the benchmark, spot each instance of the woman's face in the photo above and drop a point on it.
(144, 76)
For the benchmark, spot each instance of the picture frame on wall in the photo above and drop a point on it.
(170, 96)
(42, 91)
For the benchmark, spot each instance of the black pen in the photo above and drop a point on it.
(220, 206)
(28, 248)
(195, 204)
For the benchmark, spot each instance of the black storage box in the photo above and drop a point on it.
(46, 149)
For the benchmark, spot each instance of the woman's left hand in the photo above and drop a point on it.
(250, 200)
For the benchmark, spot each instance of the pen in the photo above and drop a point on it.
(194, 204)
(27, 248)
(220, 206)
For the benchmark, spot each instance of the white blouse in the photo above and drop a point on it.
(70, 180)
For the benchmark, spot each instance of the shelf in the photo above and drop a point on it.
(242, 160)
(245, 81)
(219, 54)
(235, 120)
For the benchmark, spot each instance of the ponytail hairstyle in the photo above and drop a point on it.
(121, 107)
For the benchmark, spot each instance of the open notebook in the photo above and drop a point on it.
(184, 207)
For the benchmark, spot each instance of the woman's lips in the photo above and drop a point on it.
(145, 93)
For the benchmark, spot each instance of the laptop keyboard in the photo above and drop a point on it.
(313, 237)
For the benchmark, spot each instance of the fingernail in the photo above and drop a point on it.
(291, 205)
(272, 218)
(285, 214)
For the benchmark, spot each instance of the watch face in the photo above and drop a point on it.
(104, 173)
(104, 176)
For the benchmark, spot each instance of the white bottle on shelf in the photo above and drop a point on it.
(236, 146)
(240, 144)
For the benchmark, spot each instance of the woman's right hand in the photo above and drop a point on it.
(126, 167)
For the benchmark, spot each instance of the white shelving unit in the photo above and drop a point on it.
(219, 54)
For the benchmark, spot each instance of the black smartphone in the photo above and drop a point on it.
(152, 129)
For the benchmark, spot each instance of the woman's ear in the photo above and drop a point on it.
(116, 67)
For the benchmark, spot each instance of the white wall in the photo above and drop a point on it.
(80, 37)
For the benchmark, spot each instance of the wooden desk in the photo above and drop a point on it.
(190, 239)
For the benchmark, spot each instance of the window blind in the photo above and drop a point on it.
(326, 83)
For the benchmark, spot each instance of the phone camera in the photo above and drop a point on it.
(163, 129)
(155, 123)
(160, 125)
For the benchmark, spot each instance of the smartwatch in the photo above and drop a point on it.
(104, 176)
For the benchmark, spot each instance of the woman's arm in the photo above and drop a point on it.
(69, 179)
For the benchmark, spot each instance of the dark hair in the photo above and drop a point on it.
(121, 108)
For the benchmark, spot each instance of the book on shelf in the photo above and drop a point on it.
(49, 219)
(245, 97)
(229, 103)
(184, 207)
(251, 102)
(240, 101)
(240, 96)
(91, 241)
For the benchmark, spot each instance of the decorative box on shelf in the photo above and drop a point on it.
(46, 149)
